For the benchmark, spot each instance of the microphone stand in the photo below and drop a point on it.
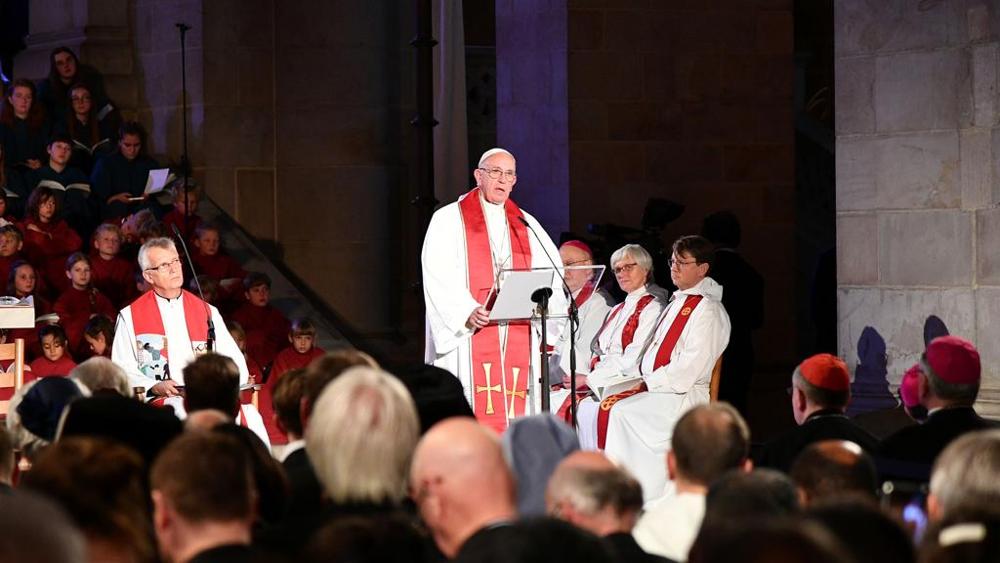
(185, 163)
(541, 296)
(210, 343)
(574, 321)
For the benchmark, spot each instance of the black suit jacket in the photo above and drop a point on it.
(911, 452)
(305, 494)
(626, 550)
(781, 452)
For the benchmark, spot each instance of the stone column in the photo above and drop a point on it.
(917, 141)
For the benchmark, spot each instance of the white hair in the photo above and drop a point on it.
(361, 436)
(635, 252)
(159, 242)
(495, 151)
(965, 473)
(99, 373)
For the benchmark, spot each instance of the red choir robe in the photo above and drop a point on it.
(6, 261)
(75, 307)
(114, 278)
(49, 255)
(267, 331)
(44, 367)
(219, 265)
(286, 360)
(176, 219)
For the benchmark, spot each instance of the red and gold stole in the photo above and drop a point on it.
(151, 341)
(500, 378)
(662, 358)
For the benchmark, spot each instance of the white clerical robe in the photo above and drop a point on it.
(125, 353)
(447, 298)
(640, 426)
(591, 315)
(614, 358)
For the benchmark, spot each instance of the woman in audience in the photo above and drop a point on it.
(48, 239)
(21, 283)
(91, 132)
(24, 129)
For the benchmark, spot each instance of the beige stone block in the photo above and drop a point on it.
(977, 165)
(984, 85)
(220, 71)
(238, 136)
(255, 202)
(919, 170)
(106, 13)
(988, 246)
(908, 85)
(899, 316)
(857, 249)
(585, 29)
(855, 95)
(255, 78)
(349, 136)
(855, 173)
(341, 77)
(897, 25)
(985, 338)
(928, 248)
(349, 202)
(219, 185)
(978, 17)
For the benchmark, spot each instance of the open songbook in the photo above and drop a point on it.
(156, 181)
(78, 146)
(605, 385)
(53, 185)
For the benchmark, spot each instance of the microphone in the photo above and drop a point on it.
(210, 343)
(574, 321)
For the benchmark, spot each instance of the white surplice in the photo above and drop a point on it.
(449, 303)
(640, 426)
(591, 314)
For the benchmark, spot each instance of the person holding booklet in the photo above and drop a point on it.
(673, 373)
(123, 175)
(91, 132)
(467, 244)
(69, 185)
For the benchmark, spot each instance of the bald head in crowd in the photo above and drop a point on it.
(708, 441)
(460, 482)
(832, 469)
(592, 493)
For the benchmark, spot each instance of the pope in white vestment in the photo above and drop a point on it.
(456, 311)
(675, 367)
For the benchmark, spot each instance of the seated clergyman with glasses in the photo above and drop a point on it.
(616, 347)
(167, 327)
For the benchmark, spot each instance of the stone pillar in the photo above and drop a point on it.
(532, 105)
(917, 179)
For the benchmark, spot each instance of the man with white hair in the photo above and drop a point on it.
(965, 475)
(162, 331)
(467, 244)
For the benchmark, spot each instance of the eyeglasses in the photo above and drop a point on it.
(166, 266)
(80, 98)
(624, 268)
(575, 262)
(680, 263)
(495, 174)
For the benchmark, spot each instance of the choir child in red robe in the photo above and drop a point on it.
(81, 301)
(211, 260)
(48, 240)
(11, 242)
(177, 216)
(301, 352)
(54, 359)
(110, 273)
(21, 283)
(97, 338)
(266, 328)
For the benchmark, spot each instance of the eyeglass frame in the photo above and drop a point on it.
(497, 173)
(671, 262)
(624, 268)
(159, 268)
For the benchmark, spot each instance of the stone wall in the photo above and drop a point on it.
(690, 101)
(917, 177)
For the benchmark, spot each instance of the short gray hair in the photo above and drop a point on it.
(361, 436)
(635, 252)
(159, 242)
(495, 151)
(590, 490)
(99, 373)
(965, 473)
(954, 393)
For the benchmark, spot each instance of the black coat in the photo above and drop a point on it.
(781, 452)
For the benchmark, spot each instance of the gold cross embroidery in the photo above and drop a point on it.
(488, 389)
(515, 393)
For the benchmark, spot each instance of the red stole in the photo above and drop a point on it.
(151, 341)
(662, 359)
(628, 334)
(500, 391)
